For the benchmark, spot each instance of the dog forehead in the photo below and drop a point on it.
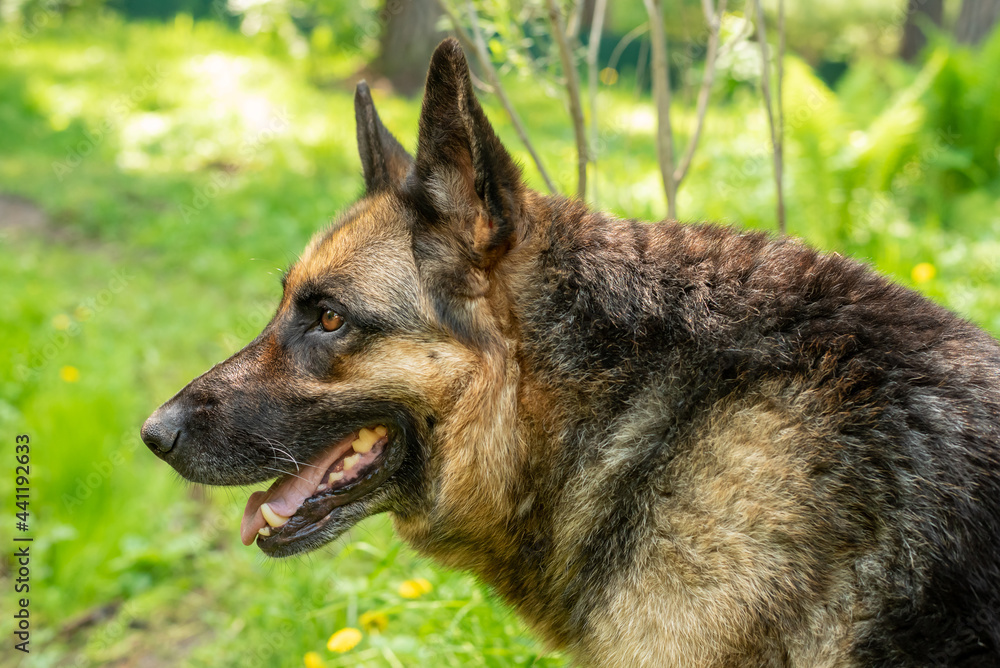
(371, 237)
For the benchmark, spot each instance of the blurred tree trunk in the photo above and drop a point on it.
(583, 18)
(409, 36)
(976, 20)
(914, 39)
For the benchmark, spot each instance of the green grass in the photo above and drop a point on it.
(181, 167)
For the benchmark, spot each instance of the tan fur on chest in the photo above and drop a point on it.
(731, 553)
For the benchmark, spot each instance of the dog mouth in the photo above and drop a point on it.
(298, 505)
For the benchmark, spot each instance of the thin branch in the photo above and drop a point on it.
(714, 19)
(483, 55)
(765, 84)
(624, 42)
(481, 85)
(574, 21)
(779, 146)
(573, 88)
(593, 50)
(640, 68)
(478, 47)
(746, 30)
(661, 91)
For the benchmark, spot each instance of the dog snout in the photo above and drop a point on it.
(162, 430)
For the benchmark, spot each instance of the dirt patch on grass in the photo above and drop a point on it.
(21, 219)
(19, 216)
(139, 635)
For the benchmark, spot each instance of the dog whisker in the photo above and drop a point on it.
(277, 447)
(282, 472)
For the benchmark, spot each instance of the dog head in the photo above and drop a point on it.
(382, 381)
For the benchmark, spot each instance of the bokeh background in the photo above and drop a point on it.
(162, 161)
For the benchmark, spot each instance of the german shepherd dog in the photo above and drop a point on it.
(662, 444)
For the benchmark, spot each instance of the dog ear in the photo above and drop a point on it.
(462, 170)
(383, 159)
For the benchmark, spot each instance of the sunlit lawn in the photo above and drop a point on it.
(162, 176)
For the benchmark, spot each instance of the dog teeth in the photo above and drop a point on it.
(273, 518)
(365, 440)
(264, 531)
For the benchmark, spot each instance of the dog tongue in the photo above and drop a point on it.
(253, 519)
(287, 493)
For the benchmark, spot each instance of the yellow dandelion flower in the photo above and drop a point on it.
(344, 640)
(410, 589)
(61, 321)
(313, 660)
(415, 588)
(70, 374)
(608, 76)
(373, 621)
(923, 272)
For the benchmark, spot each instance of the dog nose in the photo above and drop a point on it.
(162, 430)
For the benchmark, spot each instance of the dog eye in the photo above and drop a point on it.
(331, 321)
